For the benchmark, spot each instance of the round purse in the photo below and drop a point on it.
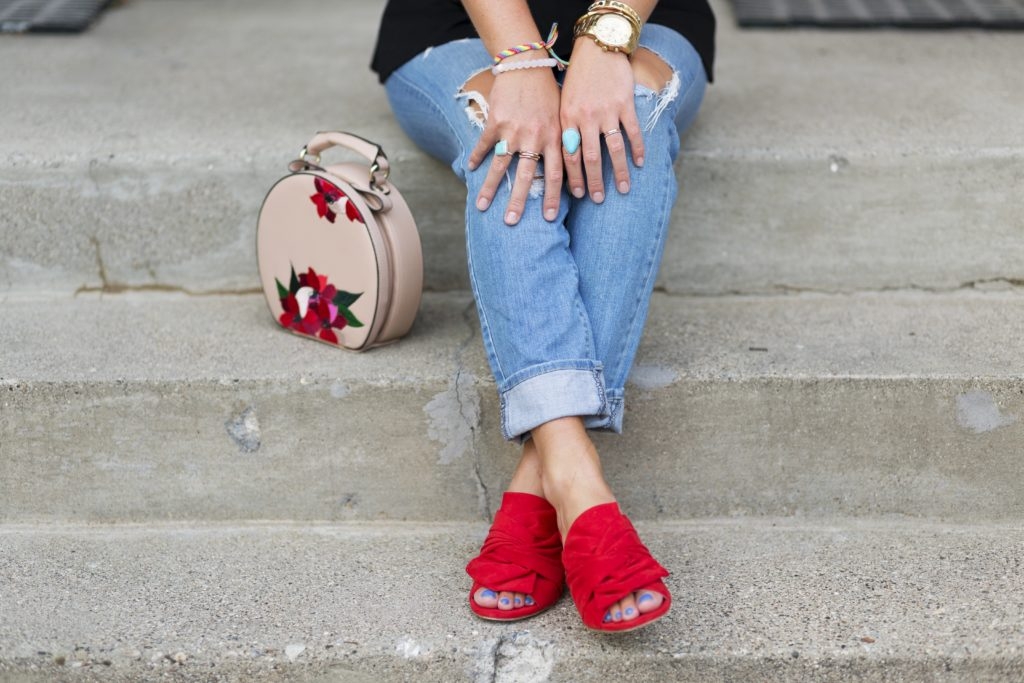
(339, 255)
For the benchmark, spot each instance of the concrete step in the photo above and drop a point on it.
(772, 599)
(138, 154)
(904, 404)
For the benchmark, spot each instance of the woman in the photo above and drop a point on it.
(570, 180)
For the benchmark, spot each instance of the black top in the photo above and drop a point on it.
(411, 26)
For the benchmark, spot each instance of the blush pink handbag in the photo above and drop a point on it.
(339, 255)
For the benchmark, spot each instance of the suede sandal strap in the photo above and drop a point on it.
(522, 546)
(604, 561)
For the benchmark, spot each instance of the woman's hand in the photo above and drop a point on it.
(597, 97)
(523, 109)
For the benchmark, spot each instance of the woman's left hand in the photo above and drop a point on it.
(597, 98)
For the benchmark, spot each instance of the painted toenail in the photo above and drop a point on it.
(529, 600)
(519, 601)
(607, 617)
(618, 615)
(504, 601)
(645, 597)
(489, 594)
(629, 611)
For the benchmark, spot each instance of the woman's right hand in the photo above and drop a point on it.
(523, 109)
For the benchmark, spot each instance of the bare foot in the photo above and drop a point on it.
(526, 479)
(573, 482)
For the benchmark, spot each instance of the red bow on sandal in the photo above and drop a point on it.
(521, 554)
(604, 561)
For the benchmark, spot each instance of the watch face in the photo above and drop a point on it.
(613, 29)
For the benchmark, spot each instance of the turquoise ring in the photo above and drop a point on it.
(501, 149)
(570, 140)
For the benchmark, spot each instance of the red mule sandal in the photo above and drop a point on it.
(604, 561)
(521, 554)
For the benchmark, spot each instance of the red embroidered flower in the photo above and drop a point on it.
(315, 307)
(326, 195)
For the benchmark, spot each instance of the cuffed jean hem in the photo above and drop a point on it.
(546, 392)
(613, 421)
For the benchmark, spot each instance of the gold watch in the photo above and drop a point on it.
(613, 31)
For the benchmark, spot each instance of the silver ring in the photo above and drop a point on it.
(529, 155)
(613, 131)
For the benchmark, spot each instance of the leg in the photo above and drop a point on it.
(618, 245)
(618, 256)
(533, 321)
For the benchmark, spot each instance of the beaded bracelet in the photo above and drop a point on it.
(527, 47)
(528, 64)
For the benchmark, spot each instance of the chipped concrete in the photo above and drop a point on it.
(977, 411)
(454, 415)
(244, 430)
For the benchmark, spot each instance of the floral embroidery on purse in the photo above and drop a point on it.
(313, 306)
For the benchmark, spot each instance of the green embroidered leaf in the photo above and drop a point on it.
(293, 286)
(282, 293)
(346, 299)
(349, 316)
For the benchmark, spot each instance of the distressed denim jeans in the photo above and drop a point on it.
(562, 304)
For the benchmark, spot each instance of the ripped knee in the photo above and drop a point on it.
(475, 92)
(652, 72)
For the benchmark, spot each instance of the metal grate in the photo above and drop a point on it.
(20, 16)
(1001, 14)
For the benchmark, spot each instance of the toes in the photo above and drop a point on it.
(529, 601)
(615, 611)
(517, 600)
(648, 601)
(505, 600)
(485, 597)
(628, 605)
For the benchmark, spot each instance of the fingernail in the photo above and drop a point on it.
(623, 187)
(529, 600)
(511, 217)
(640, 161)
(629, 611)
(488, 594)
(577, 192)
(599, 197)
(646, 597)
(504, 601)
(550, 214)
(482, 203)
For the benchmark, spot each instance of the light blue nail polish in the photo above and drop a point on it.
(571, 140)
(519, 601)
(629, 611)
(504, 601)
(646, 597)
(607, 617)
(618, 615)
(488, 594)
(529, 600)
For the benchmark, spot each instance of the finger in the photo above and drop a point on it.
(631, 129)
(483, 147)
(574, 170)
(552, 181)
(617, 152)
(520, 189)
(495, 174)
(591, 147)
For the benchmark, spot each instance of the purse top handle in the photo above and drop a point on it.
(380, 168)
